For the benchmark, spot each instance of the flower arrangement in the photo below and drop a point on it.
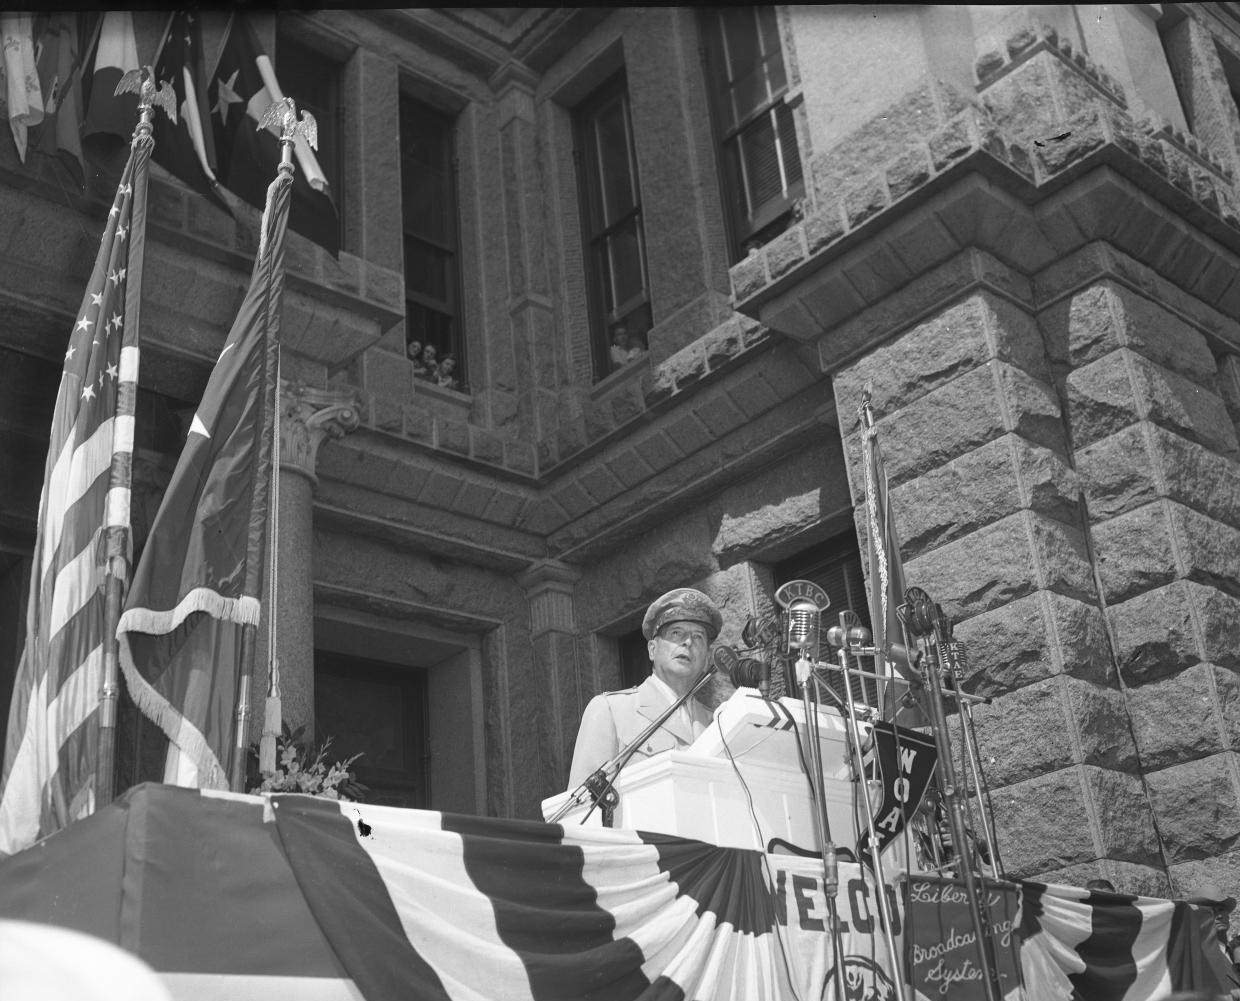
(301, 768)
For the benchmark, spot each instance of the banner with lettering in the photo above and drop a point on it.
(905, 760)
(801, 917)
(941, 939)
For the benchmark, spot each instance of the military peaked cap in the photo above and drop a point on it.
(684, 604)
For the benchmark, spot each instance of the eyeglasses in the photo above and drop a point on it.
(681, 634)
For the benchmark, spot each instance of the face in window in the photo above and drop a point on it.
(428, 354)
(678, 653)
(414, 350)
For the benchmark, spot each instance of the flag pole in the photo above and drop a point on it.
(118, 534)
(283, 112)
(273, 714)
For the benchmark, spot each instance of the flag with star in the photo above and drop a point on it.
(241, 90)
(51, 747)
(185, 147)
(197, 585)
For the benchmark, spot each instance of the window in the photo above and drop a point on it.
(615, 241)
(312, 79)
(429, 215)
(760, 164)
(378, 710)
(835, 566)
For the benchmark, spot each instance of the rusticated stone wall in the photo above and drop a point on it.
(980, 458)
(1156, 451)
(1065, 479)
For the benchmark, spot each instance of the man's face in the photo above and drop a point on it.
(1222, 921)
(678, 651)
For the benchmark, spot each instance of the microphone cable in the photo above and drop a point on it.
(766, 862)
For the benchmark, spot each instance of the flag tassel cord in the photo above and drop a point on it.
(119, 533)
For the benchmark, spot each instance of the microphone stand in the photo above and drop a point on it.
(830, 858)
(598, 785)
(848, 622)
(925, 620)
(969, 737)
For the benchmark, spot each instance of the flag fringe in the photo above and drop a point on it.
(245, 611)
(183, 735)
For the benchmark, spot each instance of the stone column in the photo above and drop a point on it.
(549, 586)
(530, 366)
(308, 416)
(988, 511)
(1157, 454)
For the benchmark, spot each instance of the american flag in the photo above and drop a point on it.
(83, 526)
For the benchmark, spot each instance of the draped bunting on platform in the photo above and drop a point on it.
(466, 907)
(230, 896)
(1116, 947)
(414, 904)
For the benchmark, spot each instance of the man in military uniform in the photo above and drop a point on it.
(679, 628)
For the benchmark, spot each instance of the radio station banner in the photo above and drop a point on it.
(941, 939)
(801, 913)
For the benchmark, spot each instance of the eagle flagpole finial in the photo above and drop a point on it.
(150, 96)
(283, 113)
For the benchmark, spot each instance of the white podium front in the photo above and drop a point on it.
(741, 783)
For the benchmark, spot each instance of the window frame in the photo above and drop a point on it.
(745, 223)
(597, 230)
(453, 306)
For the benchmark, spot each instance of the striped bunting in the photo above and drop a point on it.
(440, 907)
(83, 525)
(1116, 947)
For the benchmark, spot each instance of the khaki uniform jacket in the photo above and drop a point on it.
(613, 719)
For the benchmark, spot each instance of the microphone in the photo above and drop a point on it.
(724, 658)
(803, 602)
(761, 632)
(958, 661)
(744, 672)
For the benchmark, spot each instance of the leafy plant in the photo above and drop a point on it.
(303, 768)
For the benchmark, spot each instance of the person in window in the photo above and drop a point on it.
(621, 348)
(447, 372)
(414, 352)
(679, 628)
(430, 362)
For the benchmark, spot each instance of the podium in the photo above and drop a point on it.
(741, 783)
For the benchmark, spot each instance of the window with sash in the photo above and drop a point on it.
(313, 79)
(612, 228)
(759, 161)
(434, 337)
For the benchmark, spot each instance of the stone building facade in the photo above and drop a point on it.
(1018, 225)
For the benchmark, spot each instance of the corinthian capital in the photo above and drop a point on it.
(308, 416)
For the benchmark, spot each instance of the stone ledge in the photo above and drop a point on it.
(1099, 135)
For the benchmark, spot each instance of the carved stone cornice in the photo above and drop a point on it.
(307, 417)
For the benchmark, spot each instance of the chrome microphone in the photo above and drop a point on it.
(803, 602)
